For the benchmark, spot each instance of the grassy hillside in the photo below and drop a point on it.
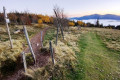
(96, 61)
(83, 55)
(9, 56)
(86, 54)
(111, 37)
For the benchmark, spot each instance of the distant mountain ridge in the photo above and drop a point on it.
(97, 16)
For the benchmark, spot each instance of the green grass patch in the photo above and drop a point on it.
(50, 35)
(79, 72)
(95, 59)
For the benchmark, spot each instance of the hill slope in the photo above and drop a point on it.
(95, 59)
(97, 16)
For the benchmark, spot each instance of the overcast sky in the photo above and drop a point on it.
(71, 7)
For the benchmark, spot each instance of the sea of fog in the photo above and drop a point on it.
(105, 22)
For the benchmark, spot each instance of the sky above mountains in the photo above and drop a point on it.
(72, 8)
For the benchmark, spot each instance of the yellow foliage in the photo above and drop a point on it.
(46, 19)
(51, 19)
(71, 23)
(40, 16)
(80, 23)
(40, 21)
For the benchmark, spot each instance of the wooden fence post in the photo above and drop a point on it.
(8, 30)
(61, 27)
(42, 39)
(62, 31)
(29, 44)
(57, 34)
(57, 28)
(79, 27)
(24, 62)
(51, 51)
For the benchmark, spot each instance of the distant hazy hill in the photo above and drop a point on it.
(97, 16)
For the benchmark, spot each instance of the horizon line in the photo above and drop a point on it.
(94, 14)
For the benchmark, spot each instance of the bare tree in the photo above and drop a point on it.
(59, 20)
(56, 20)
(64, 20)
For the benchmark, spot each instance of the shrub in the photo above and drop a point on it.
(71, 23)
(40, 21)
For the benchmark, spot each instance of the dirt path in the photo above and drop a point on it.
(41, 59)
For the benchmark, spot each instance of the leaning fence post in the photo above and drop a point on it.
(57, 34)
(61, 27)
(29, 44)
(62, 31)
(42, 38)
(24, 62)
(51, 51)
(79, 27)
(57, 26)
(8, 30)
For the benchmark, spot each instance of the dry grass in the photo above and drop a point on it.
(111, 37)
(65, 58)
(6, 53)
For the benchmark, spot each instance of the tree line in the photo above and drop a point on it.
(26, 18)
(19, 18)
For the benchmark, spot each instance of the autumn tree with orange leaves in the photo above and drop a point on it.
(80, 23)
(71, 23)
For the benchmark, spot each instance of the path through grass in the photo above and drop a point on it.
(95, 61)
